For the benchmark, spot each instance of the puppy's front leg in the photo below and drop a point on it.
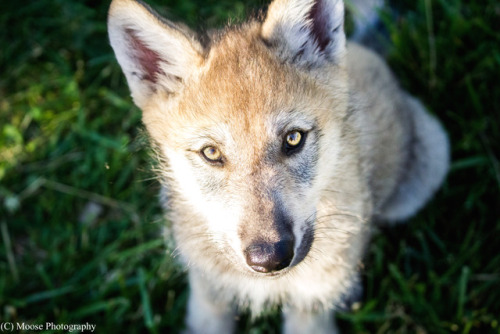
(206, 314)
(299, 322)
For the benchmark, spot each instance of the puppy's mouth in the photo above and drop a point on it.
(275, 274)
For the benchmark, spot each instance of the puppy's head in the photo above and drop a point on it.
(249, 124)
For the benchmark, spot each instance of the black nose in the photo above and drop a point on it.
(268, 257)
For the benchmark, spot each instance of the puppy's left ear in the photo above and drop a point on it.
(306, 32)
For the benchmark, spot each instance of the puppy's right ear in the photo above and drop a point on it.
(153, 53)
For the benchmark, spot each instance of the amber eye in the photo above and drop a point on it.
(212, 154)
(293, 138)
(293, 142)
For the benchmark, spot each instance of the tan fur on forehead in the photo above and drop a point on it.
(241, 77)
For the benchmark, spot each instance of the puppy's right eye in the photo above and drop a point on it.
(293, 142)
(212, 154)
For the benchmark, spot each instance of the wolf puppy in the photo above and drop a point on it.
(282, 145)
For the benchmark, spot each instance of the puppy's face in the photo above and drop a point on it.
(250, 143)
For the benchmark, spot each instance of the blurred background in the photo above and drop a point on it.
(80, 221)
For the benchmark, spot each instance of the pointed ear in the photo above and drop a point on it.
(153, 53)
(306, 32)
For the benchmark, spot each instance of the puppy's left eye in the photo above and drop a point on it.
(293, 142)
(212, 155)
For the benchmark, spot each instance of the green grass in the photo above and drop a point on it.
(79, 220)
